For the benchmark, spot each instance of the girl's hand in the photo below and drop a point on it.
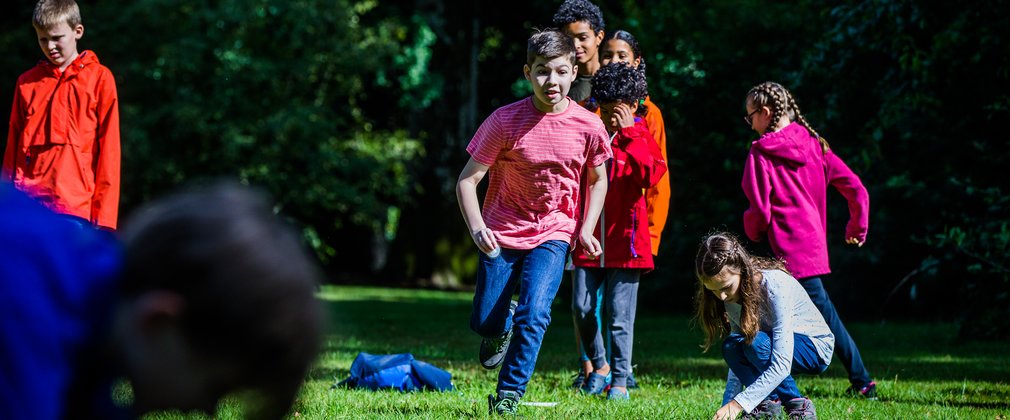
(623, 115)
(484, 238)
(729, 411)
(590, 245)
(854, 241)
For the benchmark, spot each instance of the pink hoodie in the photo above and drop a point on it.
(785, 180)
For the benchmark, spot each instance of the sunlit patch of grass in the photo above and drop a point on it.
(921, 371)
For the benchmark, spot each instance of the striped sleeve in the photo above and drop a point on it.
(488, 142)
(599, 147)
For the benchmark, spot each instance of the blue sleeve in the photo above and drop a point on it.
(57, 288)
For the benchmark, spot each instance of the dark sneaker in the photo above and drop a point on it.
(800, 408)
(578, 380)
(492, 350)
(596, 384)
(632, 383)
(505, 404)
(868, 391)
(767, 409)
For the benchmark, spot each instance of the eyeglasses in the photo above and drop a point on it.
(747, 119)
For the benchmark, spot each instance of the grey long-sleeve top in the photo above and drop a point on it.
(788, 310)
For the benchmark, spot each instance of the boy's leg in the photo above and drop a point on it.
(542, 268)
(496, 280)
(622, 302)
(585, 310)
(845, 347)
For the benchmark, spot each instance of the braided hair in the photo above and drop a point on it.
(626, 36)
(781, 102)
(723, 250)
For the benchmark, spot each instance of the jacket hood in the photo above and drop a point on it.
(791, 144)
(84, 59)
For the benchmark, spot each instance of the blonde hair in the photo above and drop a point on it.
(781, 102)
(50, 13)
(717, 251)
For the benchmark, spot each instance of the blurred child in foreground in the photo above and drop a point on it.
(210, 293)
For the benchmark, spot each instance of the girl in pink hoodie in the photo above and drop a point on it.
(785, 180)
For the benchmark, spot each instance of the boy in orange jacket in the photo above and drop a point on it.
(63, 143)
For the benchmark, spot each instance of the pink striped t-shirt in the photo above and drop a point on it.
(536, 162)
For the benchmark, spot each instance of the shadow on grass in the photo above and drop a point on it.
(435, 328)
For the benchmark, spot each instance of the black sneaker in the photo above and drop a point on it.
(868, 391)
(505, 404)
(578, 380)
(800, 408)
(492, 350)
(767, 409)
(632, 383)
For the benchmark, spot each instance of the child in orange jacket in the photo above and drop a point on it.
(621, 47)
(63, 141)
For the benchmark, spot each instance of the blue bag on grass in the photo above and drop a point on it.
(395, 371)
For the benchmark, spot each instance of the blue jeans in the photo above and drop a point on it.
(537, 273)
(845, 348)
(749, 361)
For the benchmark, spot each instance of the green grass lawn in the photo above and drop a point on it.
(921, 371)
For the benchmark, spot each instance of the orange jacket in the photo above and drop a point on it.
(657, 198)
(63, 143)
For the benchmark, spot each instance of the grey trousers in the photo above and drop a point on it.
(621, 295)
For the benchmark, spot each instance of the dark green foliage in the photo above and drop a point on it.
(922, 89)
(355, 114)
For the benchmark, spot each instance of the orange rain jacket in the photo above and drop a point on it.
(63, 142)
(657, 197)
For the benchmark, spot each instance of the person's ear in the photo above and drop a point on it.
(599, 37)
(526, 72)
(78, 31)
(156, 309)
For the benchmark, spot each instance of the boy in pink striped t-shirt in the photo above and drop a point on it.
(535, 151)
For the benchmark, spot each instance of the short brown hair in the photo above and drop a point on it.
(49, 13)
(549, 44)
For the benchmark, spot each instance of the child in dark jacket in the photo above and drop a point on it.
(623, 230)
(208, 294)
(786, 177)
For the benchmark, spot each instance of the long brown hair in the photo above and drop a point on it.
(717, 251)
(781, 102)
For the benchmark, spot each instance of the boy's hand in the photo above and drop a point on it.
(590, 245)
(484, 238)
(624, 116)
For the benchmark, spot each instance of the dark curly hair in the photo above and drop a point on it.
(620, 82)
(579, 11)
